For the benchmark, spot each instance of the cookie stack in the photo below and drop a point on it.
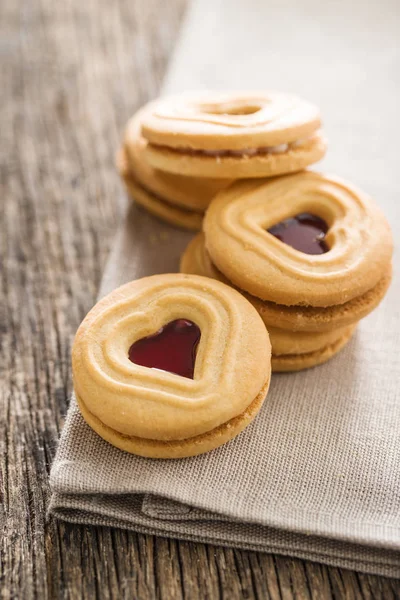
(171, 366)
(177, 199)
(179, 152)
(310, 252)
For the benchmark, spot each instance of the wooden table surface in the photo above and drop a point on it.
(73, 72)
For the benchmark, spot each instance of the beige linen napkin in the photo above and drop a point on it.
(317, 475)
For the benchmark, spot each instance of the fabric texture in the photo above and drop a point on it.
(317, 474)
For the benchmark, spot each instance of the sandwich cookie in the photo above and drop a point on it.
(293, 319)
(293, 347)
(177, 199)
(310, 252)
(233, 135)
(171, 366)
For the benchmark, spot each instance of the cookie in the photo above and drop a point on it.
(192, 193)
(290, 348)
(175, 215)
(306, 239)
(298, 362)
(285, 342)
(177, 199)
(301, 336)
(196, 260)
(171, 365)
(233, 135)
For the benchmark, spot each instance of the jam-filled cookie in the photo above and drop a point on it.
(171, 366)
(177, 199)
(310, 252)
(233, 135)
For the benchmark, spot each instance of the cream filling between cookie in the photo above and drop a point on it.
(243, 152)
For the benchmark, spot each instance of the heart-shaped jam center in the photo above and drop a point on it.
(304, 232)
(172, 348)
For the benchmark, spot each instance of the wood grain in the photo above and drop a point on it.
(73, 72)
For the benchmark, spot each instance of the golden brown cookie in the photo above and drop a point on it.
(171, 365)
(232, 135)
(301, 337)
(298, 362)
(196, 260)
(285, 342)
(190, 193)
(177, 199)
(173, 214)
(347, 253)
(178, 448)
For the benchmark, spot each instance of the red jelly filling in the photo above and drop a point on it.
(172, 348)
(304, 232)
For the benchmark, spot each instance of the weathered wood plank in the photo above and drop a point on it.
(73, 73)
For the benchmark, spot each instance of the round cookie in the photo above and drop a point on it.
(131, 359)
(298, 362)
(158, 207)
(358, 242)
(232, 135)
(285, 342)
(180, 448)
(196, 260)
(189, 193)
(277, 160)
